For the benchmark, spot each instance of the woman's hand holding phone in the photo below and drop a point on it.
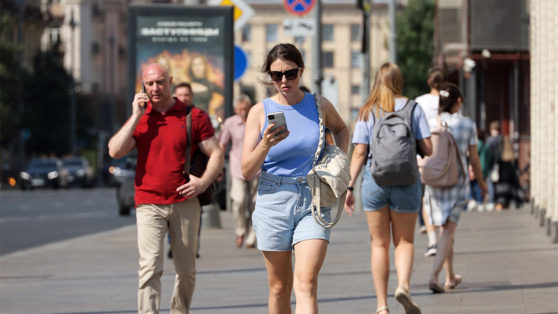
(276, 130)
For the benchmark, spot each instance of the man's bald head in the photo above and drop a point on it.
(158, 84)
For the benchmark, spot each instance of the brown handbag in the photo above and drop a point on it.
(197, 165)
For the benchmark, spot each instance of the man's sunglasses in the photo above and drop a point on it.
(289, 74)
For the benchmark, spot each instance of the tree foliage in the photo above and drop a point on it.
(415, 45)
(47, 104)
(10, 83)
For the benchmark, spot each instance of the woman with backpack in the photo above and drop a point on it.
(444, 205)
(389, 205)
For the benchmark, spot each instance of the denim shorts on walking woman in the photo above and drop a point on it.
(283, 215)
(401, 199)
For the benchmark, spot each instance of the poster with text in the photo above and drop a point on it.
(194, 43)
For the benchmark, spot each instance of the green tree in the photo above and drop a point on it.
(10, 82)
(47, 104)
(415, 45)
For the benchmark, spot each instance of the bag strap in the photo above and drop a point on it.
(316, 191)
(458, 154)
(322, 130)
(188, 143)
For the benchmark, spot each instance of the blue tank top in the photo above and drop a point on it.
(294, 156)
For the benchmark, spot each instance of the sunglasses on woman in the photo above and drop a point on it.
(289, 74)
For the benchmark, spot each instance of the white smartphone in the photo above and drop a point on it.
(279, 119)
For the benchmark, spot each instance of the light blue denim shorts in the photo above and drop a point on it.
(401, 199)
(283, 215)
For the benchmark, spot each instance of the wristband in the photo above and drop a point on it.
(350, 188)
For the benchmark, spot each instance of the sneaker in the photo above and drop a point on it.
(471, 205)
(489, 207)
(480, 208)
(431, 251)
(422, 230)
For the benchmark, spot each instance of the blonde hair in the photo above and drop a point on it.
(507, 150)
(387, 85)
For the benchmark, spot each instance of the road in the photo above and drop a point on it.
(33, 218)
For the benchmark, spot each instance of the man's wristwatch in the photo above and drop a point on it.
(350, 188)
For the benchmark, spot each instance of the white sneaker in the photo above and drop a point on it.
(480, 208)
(422, 229)
(431, 251)
(471, 205)
(489, 207)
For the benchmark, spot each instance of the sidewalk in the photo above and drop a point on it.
(508, 265)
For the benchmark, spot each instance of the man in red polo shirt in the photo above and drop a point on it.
(164, 200)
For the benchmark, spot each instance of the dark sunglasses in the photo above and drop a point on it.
(289, 74)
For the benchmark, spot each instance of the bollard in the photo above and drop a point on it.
(542, 216)
(554, 232)
(548, 224)
(532, 206)
(210, 216)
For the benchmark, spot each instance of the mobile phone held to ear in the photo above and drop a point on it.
(279, 119)
(143, 91)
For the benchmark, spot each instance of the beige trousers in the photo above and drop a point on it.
(240, 189)
(182, 220)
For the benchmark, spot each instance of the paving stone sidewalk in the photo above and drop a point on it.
(508, 265)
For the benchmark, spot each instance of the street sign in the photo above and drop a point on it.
(242, 11)
(240, 62)
(299, 27)
(299, 7)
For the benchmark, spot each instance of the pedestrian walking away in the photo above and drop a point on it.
(445, 204)
(494, 143)
(394, 206)
(507, 189)
(430, 103)
(165, 199)
(233, 133)
(283, 220)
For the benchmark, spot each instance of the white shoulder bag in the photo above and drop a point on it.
(329, 177)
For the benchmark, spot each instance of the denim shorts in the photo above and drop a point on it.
(401, 199)
(283, 215)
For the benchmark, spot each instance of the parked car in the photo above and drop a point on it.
(112, 170)
(125, 189)
(43, 172)
(80, 173)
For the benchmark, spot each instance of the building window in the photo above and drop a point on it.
(355, 59)
(355, 89)
(54, 34)
(271, 33)
(328, 32)
(354, 113)
(299, 40)
(328, 59)
(246, 33)
(355, 32)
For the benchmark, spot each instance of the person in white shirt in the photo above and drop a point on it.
(430, 103)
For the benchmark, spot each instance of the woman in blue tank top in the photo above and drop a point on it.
(282, 219)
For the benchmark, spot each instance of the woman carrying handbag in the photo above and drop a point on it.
(283, 219)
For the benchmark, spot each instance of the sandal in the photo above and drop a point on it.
(452, 285)
(404, 297)
(435, 286)
(382, 309)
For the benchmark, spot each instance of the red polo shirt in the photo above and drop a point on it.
(161, 143)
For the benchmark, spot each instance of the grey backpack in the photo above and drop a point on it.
(393, 148)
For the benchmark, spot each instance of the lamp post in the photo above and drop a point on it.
(72, 25)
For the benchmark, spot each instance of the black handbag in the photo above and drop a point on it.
(197, 164)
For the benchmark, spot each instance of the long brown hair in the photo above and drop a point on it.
(387, 85)
(507, 150)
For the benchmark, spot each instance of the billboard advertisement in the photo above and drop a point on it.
(196, 45)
